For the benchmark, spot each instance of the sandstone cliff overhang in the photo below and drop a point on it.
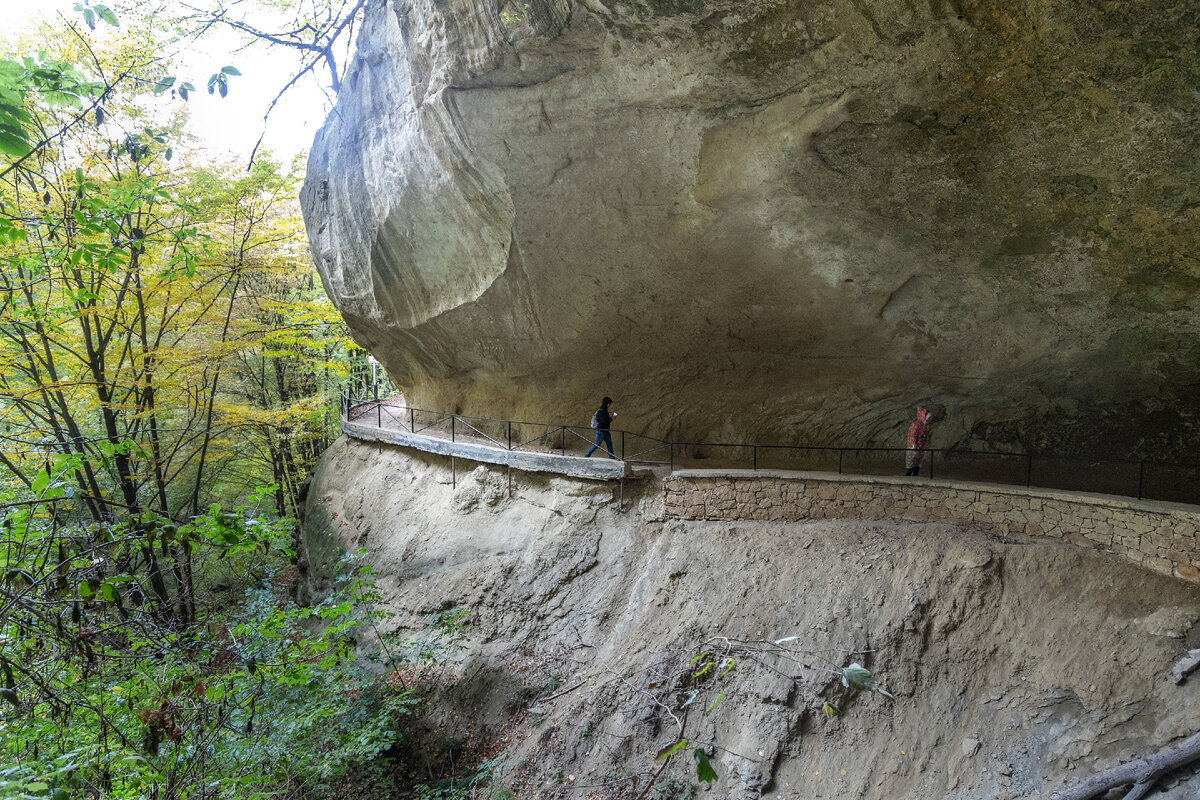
(776, 220)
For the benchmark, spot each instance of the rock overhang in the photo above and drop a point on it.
(774, 221)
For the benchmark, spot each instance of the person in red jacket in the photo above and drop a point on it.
(918, 440)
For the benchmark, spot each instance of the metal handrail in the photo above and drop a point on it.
(352, 409)
(481, 433)
(552, 429)
(433, 424)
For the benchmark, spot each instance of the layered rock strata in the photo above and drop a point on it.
(776, 221)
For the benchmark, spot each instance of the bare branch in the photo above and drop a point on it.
(1143, 773)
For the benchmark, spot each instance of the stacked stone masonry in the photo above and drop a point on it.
(1162, 537)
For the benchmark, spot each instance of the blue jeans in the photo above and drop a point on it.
(602, 435)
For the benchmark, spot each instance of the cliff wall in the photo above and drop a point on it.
(1016, 661)
(778, 221)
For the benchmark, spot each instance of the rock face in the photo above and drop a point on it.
(781, 221)
(1016, 664)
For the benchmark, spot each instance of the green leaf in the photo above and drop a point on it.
(859, 677)
(62, 99)
(89, 17)
(714, 703)
(109, 592)
(230, 70)
(164, 83)
(13, 145)
(108, 16)
(670, 750)
(704, 770)
(13, 115)
(40, 482)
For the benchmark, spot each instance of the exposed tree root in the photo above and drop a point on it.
(1141, 774)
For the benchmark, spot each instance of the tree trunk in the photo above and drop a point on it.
(212, 397)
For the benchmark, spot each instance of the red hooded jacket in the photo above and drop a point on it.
(918, 432)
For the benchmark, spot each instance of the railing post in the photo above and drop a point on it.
(452, 416)
(754, 449)
(1028, 470)
(412, 420)
(562, 438)
(378, 411)
(1141, 476)
(931, 452)
(622, 445)
(671, 445)
(510, 437)
(841, 453)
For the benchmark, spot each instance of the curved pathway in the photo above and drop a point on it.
(1163, 537)
(601, 469)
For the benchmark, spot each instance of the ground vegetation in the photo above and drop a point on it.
(169, 372)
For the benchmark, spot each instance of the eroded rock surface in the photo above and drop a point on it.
(1015, 664)
(777, 220)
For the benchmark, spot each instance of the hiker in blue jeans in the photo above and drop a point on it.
(602, 421)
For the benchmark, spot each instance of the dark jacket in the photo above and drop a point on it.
(603, 419)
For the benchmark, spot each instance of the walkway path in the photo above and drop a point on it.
(1159, 536)
(477, 449)
(541, 447)
(1164, 537)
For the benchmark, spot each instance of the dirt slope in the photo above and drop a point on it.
(1015, 664)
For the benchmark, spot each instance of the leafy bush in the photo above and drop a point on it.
(257, 698)
(466, 787)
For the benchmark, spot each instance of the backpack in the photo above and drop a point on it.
(595, 423)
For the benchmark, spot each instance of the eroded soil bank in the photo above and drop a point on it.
(1016, 664)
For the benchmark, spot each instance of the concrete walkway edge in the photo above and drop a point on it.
(596, 469)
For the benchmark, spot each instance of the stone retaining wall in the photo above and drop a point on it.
(1159, 536)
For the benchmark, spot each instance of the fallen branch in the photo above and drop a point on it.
(1186, 666)
(560, 694)
(1142, 774)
